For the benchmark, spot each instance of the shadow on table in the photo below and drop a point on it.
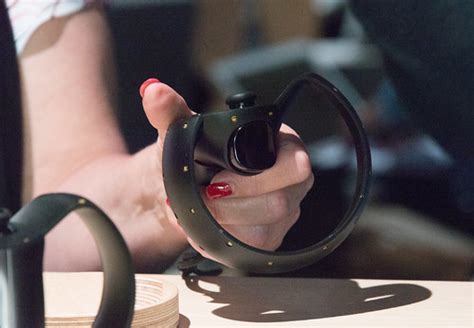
(290, 299)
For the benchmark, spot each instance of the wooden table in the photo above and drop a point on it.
(292, 302)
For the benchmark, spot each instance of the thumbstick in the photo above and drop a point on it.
(241, 100)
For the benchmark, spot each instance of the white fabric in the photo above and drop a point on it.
(27, 15)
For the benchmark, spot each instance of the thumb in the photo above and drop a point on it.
(163, 106)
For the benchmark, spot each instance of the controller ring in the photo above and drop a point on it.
(118, 291)
(184, 192)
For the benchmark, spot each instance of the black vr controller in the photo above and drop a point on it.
(242, 139)
(21, 261)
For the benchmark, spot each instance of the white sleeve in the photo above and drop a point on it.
(27, 15)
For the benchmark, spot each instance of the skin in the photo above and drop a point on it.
(73, 144)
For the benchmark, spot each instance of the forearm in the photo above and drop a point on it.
(68, 85)
(73, 144)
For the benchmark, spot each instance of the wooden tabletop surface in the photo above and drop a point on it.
(300, 302)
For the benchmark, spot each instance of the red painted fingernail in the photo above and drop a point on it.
(146, 84)
(218, 190)
(167, 201)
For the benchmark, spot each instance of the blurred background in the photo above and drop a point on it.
(419, 222)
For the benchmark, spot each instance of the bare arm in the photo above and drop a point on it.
(73, 144)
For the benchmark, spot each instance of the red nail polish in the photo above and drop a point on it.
(146, 84)
(218, 190)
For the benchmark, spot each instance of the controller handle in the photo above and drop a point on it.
(247, 146)
(21, 261)
(252, 147)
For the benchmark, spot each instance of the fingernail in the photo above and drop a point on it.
(218, 190)
(146, 84)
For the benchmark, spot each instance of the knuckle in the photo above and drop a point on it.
(310, 182)
(162, 96)
(278, 205)
(155, 94)
(275, 244)
(258, 243)
(262, 237)
(275, 241)
(294, 216)
(303, 170)
(257, 237)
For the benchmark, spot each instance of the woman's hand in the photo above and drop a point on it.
(73, 144)
(258, 210)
